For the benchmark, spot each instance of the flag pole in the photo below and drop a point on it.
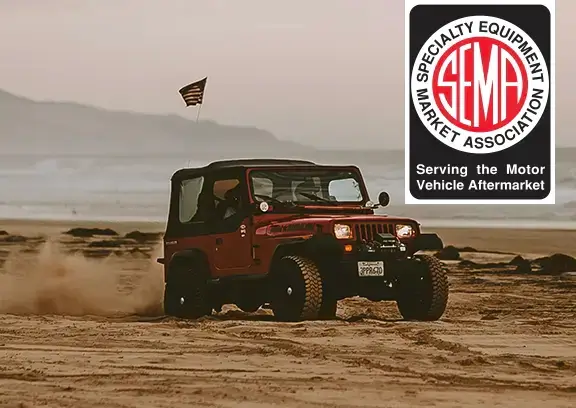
(201, 100)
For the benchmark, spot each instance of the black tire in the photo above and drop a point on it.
(424, 290)
(328, 309)
(296, 289)
(186, 293)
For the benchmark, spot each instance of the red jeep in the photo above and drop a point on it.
(293, 236)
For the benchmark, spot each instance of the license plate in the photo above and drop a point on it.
(370, 268)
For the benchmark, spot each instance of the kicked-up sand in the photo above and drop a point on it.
(81, 325)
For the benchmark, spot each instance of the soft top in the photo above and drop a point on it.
(239, 163)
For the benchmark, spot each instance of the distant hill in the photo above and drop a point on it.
(63, 128)
(28, 126)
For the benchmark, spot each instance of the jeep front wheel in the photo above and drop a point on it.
(186, 294)
(423, 290)
(296, 289)
(328, 308)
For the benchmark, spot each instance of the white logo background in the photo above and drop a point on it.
(464, 135)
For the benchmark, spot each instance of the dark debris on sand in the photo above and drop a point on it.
(522, 265)
(449, 253)
(138, 236)
(554, 265)
(13, 239)
(19, 239)
(516, 265)
(487, 265)
(140, 253)
(137, 245)
(114, 243)
(144, 236)
(467, 249)
(106, 252)
(91, 232)
(96, 253)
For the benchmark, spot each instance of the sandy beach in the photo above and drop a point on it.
(81, 325)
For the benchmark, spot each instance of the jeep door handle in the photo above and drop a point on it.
(219, 241)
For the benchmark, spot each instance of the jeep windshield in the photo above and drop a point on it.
(324, 187)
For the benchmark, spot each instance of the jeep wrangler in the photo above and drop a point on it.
(295, 237)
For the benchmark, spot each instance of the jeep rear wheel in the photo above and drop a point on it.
(186, 294)
(423, 290)
(296, 289)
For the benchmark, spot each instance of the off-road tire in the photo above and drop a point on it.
(328, 309)
(426, 303)
(191, 284)
(302, 276)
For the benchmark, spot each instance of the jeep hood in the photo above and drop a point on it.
(360, 218)
(365, 218)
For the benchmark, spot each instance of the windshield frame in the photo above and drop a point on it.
(357, 175)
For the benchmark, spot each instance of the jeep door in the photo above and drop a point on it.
(230, 229)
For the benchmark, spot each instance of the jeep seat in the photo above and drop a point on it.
(231, 201)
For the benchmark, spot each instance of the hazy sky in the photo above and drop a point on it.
(323, 72)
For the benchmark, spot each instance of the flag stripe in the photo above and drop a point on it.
(193, 93)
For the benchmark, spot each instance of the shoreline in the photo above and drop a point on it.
(516, 224)
(52, 227)
(518, 239)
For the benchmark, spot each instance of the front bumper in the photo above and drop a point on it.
(342, 277)
(345, 281)
(390, 244)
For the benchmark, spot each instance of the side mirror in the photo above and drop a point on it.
(383, 199)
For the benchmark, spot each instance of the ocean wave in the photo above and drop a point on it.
(109, 187)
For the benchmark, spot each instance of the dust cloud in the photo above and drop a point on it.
(55, 283)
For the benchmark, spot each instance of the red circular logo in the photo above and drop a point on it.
(480, 84)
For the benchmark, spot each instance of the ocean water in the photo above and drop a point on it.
(137, 189)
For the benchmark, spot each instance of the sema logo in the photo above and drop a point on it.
(480, 84)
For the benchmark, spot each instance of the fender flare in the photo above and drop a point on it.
(428, 242)
(185, 256)
(319, 247)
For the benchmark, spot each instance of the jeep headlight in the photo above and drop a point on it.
(342, 231)
(404, 231)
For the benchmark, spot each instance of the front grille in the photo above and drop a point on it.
(367, 231)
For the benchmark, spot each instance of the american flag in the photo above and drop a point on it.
(194, 92)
